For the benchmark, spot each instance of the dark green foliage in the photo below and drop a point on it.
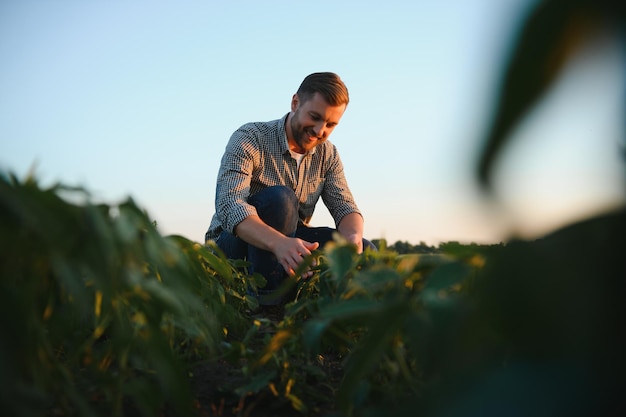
(544, 332)
(98, 308)
(103, 316)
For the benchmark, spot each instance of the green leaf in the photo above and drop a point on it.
(343, 309)
(312, 333)
(447, 276)
(549, 35)
(369, 353)
(219, 264)
(341, 259)
(259, 382)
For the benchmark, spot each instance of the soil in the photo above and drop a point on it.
(214, 383)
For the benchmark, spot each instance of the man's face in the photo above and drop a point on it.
(312, 122)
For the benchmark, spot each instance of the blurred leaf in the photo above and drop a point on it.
(218, 263)
(446, 276)
(374, 279)
(368, 355)
(344, 309)
(95, 290)
(549, 35)
(341, 259)
(257, 383)
(275, 344)
(312, 333)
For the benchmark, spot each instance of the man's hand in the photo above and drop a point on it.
(291, 251)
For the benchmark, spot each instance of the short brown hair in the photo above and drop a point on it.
(328, 84)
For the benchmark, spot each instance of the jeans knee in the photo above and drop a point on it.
(282, 196)
(278, 207)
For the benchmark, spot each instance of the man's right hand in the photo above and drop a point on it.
(289, 251)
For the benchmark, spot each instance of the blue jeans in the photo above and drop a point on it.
(277, 206)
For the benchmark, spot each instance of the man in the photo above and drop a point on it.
(271, 176)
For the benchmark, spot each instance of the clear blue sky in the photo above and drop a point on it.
(138, 98)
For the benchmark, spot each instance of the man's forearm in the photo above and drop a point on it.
(255, 232)
(351, 228)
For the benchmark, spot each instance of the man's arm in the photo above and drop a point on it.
(351, 228)
(340, 202)
(289, 251)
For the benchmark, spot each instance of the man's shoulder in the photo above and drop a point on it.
(261, 135)
(261, 127)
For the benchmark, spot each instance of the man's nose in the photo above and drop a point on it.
(319, 130)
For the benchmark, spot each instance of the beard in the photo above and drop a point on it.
(302, 134)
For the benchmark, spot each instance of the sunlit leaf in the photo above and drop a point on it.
(296, 403)
(277, 342)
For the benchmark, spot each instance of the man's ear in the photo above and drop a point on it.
(295, 100)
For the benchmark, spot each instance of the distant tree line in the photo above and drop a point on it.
(404, 247)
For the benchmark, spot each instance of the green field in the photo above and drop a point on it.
(102, 315)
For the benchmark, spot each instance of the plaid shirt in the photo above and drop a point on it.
(257, 156)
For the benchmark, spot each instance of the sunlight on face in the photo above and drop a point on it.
(311, 122)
